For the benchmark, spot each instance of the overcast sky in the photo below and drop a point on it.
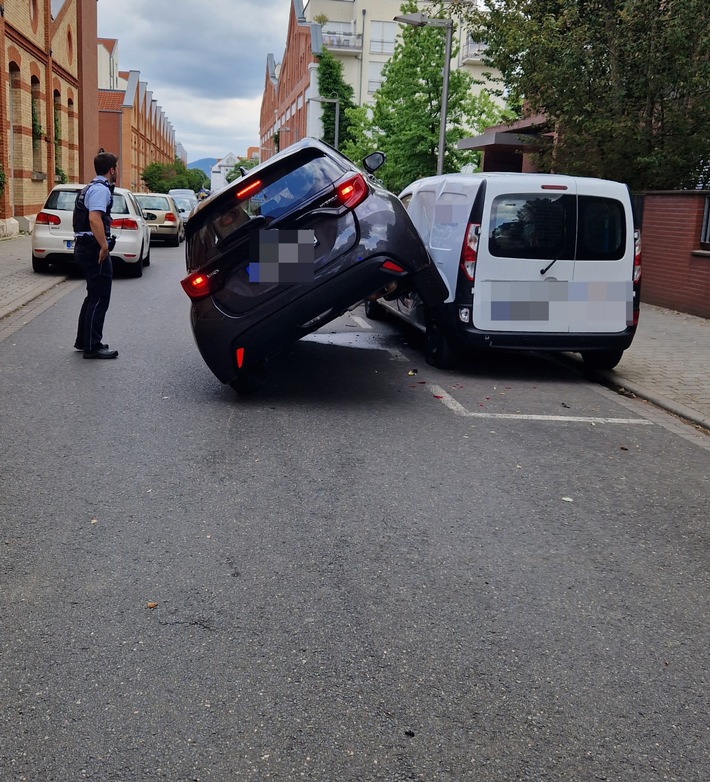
(204, 62)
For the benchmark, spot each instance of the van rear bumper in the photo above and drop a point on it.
(537, 340)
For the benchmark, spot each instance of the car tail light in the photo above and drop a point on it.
(637, 256)
(44, 218)
(200, 284)
(469, 252)
(170, 218)
(125, 223)
(239, 355)
(352, 191)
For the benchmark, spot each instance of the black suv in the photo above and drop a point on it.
(290, 246)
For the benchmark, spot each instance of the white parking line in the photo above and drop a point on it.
(459, 409)
(361, 322)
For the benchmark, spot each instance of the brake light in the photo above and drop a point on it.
(200, 284)
(249, 189)
(553, 187)
(44, 218)
(469, 252)
(125, 223)
(637, 256)
(352, 191)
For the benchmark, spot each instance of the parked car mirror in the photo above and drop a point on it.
(373, 161)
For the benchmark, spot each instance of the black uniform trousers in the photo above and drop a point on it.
(89, 334)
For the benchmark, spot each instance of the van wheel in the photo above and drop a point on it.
(602, 359)
(374, 311)
(440, 350)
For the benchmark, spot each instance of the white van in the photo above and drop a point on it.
(531, 261)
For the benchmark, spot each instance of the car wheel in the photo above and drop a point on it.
(374, 311)
(39, 265)
(146, 260)
(602, 359)
(250, 380)
(136, 269)
(439, 350)
(174, 241)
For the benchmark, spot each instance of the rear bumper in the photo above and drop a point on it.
(573, 342)
(279, 321)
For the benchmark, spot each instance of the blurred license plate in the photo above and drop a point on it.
(69, 243)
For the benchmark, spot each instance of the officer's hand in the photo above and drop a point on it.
(103, 254)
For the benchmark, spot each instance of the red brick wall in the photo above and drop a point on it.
(675, 273)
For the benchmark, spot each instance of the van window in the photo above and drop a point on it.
(602, 229)
(530, 226)
(451, 214)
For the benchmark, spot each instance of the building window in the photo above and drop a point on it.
(70, 45)
(705, 233)
(37, 129)
(382, 35)
(34, 20)
(374, 76)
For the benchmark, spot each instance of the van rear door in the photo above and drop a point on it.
(526, 251)
(556, 256)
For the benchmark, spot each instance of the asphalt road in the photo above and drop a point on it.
(373, 570)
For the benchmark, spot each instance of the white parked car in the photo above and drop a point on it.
(53, 235)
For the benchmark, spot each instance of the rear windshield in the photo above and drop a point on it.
(282, 189)
(154, 202)
(546, 226)
(62, 200)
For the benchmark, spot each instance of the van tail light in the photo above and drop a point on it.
(637, 256)
(44, 218)
(170, 217)
(125, 224)
(469, 252)
(200, 284)
(352, 191)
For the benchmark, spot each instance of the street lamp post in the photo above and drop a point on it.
(420, 19)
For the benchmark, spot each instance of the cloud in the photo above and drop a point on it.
(205, 64)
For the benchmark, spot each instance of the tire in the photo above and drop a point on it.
(374, 311)
(602, 359)
(136, 269)
(174, 241)
(39, 265)
(250, 380)
(430, 285)
(440, 350)
(146, 260)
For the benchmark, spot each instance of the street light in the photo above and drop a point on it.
(420, 19)
(336, 135)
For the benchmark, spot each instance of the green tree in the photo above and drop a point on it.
(332, 85)
(161, 177)
(242, 162)
(405, 118)
(623, 83)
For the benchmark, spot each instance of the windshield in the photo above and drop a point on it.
(154, 202)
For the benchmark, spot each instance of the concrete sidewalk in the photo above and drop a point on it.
(667, 364)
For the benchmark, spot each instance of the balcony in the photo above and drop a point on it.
(472, 52)
(345, 43)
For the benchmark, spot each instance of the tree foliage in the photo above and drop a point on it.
(404, 119)
(625, 82)
(161, 177)
(242, 162)
(332, 84)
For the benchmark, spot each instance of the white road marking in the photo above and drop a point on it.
(459, 409)
(361, 322)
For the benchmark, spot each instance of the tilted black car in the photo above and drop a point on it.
(290, 246)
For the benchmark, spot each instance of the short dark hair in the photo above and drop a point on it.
(104, 162)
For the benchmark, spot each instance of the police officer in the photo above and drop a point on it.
(93, 243)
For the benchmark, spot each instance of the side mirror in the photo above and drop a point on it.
(373, 161)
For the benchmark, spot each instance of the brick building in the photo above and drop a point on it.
(53, 118)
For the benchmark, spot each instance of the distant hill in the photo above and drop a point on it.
(205, 164)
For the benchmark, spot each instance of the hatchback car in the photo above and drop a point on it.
(185, 206)
(163, 216)
(53, 234)
(289, 247)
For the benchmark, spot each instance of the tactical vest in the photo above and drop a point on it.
(80, 218)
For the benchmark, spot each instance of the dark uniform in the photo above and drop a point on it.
(98, 275)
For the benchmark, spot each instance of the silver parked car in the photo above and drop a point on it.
(53, 234)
